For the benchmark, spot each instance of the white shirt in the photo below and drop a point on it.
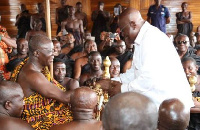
(157, 71)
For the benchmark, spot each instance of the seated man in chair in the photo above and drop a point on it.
(46, 100)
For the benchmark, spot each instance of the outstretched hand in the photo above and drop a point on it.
(113, 87)
(105, 84)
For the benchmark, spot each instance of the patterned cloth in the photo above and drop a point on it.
(42, 113)
(3, 54)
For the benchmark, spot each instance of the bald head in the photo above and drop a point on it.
(173, 115)
(132, 14)
(130, 111)
(37, 42)
(83, 98)
(9, 90)
(11, 99)
(130, 22)
(114, 67)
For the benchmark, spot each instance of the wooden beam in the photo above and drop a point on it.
(48, 29)
(48, 19)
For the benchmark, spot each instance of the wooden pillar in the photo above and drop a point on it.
(48, 29)
(48, 19)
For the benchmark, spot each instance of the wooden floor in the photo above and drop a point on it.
(10, 8)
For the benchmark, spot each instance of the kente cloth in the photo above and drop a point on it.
(40, 112)
(3, 53)
(194, 123)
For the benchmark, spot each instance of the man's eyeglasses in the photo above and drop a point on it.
(124, 27)
(47, 51)
(184, 42)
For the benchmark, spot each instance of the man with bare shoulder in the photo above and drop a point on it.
(61, 14)
(40, 15)
(45, 99)
(11, 107)
(83, 101)
(95, 72)
(74, 26)
(59, 72)
(37, 30)
(81, 15)
(81, 64)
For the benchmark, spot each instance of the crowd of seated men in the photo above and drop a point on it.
(66, 101)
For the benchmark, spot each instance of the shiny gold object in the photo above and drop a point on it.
(99, 92)
(106, 63)
(103, 96)
(192, 81)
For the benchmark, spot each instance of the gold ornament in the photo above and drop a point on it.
(106, 63)
(192, 81)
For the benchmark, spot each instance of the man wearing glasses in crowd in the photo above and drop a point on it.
(182, 44)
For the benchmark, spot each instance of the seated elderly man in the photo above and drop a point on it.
(11, 107)
(46, 100)
(83, 102)
(130, 111)
(95, 73)
(59, 72)
(173, 115)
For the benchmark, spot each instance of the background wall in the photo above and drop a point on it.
(10, 8)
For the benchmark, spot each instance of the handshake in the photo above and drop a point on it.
(112, 87)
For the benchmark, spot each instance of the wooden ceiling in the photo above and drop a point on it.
(10, 8)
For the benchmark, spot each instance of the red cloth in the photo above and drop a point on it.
(4, 49)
